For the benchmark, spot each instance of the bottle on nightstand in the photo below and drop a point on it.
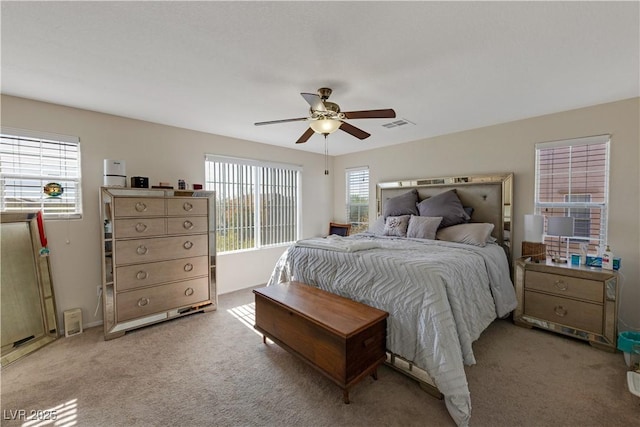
(607, 259)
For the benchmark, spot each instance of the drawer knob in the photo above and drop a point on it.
(560, 310)
(188, 292)
(141, 207)
(188, 244)
(188, 225)
(142, 275)
(140, 227)
(143, 301)
(142, 249)
(188, 267)
(561, 285)
(187, 206)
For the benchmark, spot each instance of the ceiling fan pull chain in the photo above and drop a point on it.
(326, 155)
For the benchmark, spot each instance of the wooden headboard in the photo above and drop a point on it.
(490, 196)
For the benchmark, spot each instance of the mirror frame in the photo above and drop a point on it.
(45, 290)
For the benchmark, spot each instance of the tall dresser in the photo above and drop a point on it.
(158, 256)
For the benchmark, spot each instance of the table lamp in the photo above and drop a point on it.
(561, 226)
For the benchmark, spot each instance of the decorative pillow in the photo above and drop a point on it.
(477, 233)
(469, 211)
(404, 204)
(396, 225)
(447, 205)
(377, 227)
(423, 227)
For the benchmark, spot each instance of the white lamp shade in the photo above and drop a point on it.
(560, 226)
(533, 228)
(325, 126)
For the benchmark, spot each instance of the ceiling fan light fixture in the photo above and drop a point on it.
(325, 126)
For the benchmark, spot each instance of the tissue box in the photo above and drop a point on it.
(594, 261)
(616, 263)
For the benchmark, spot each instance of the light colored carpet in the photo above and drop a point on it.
(213, 370)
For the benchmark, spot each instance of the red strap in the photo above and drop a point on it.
(43, 238)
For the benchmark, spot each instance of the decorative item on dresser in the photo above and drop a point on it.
(561, 226)
(158, 257)
(533, 244)
(573, 300)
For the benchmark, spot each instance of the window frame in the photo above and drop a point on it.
(257, 168)
(595, 243)
(38, 137)
(358, 225)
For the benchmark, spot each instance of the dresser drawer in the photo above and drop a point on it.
(160, 248)
(194, 224)
(140, 227)
(187, 206)
(577, 314)
(143, 302)
(153, 273)
(574, 287)
(138, 206)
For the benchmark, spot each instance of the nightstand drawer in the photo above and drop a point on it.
(565, 286)
(581, 315)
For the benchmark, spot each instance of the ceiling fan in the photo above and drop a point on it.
(325, 117)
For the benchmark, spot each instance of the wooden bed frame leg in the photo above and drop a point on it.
(264, 339)
(345, 396)
(374, 374)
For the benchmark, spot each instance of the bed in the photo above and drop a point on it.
(441, 274)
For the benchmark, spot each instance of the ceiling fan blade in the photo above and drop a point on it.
(305, 136)
(314, 101)
(371, 114)
(299, 119)
(352, 130)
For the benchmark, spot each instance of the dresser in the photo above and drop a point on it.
(578, 301)
(158, 256)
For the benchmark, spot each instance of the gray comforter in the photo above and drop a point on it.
(440, 296)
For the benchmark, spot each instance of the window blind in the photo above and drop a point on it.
(357, 202)
(28, 162)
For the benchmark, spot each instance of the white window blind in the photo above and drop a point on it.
(358, 198)
(257, 203)
(572, 179)
(28, 162)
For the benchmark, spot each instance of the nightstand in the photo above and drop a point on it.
(573, 300)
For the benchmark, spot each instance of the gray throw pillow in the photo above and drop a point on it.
(423, 227)
(404, 204)
(396, 225)
(447, 205)
(377, 227)
(478, 234)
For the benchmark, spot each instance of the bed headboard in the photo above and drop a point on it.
(490, 196)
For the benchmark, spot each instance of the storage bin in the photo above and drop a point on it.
(629, 343)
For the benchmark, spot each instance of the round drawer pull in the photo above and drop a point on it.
(188, 225)
(561, 285)
(560, 310)
(188, 267)
(187, 245)
(143, 301)
(187, 206)
(141, 250)
(188, 292)
(141, 207)
(140, 227)
(142, 275)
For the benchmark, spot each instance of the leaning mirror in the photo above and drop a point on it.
(28, 309)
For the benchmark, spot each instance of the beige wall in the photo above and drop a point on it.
(509, 147)
(162, 153)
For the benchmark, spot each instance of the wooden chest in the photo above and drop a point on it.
(343, 339)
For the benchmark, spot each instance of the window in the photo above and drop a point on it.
(572, 179)
(257, 203)
(358, 199)
(28, 162)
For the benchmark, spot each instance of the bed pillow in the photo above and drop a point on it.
(447, 205)
(396, 225)
(423, 227)
(469, 211)
(404, 204)
(472, 233)
(377, 227)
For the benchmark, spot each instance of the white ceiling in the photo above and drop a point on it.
(218, 67)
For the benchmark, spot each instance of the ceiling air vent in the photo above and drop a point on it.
(397, 123)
